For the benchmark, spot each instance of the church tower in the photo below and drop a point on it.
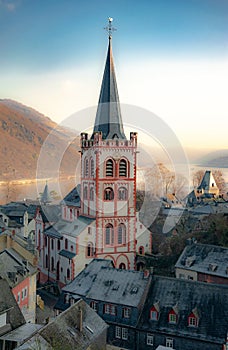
(108, 175)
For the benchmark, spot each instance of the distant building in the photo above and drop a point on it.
(203, 262)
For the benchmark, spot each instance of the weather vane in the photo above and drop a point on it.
(110, 29)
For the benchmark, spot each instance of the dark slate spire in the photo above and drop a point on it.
(108, 117)
(45, 197)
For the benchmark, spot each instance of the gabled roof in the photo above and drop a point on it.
(205, 258)
(65, 331)
(73, 197)
(13, 267)
(100, 281)
(108, 117)
(71, 228)
(207, 182)
(210, 300)
(7, 302)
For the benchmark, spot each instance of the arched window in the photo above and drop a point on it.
(91, 194)
(122, 266)
(52, 264)
(86, 167)
(58, 244)
(121, 234)
(108, 194)
(141, 250)
(123, 168)
(66, 244)
(85, 192)
(90, 250)
(52, 243)
(122, 194)
(91, 167)
(109, 168)
(109, 235)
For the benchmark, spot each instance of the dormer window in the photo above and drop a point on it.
(173, 316)
(193, 318)
(154, 312)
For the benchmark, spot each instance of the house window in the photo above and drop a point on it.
(86, 167)
(149, 339)
(52, 244)
(172, 318)
(109, 168)
(89, 230)
(126, 312)
(192, 321)
(68, 274)
(52, 264)
(45, 241)
(18, 297)
(108, 194)
(25, 292)
(91, 194)
(22, 294)
(85, 192)
(121, 234)
(124, 333)
(122, 194)
(123, 168)
(118, 332)
(169, 343)
(109, 235)
(58, 244)
(94, 305)
(66, 244)
(153, 315)
(91, 167)
(90, 251)
(110, 309)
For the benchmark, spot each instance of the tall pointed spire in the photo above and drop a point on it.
(108, 117)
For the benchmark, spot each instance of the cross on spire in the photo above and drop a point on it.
(110, 29)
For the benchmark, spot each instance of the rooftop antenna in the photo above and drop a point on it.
(110, 29)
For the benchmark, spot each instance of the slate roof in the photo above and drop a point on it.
(205, 258)
(108, 118)
(73, 228)
(100, 281)
(12, 265)
(73, 197)
(15, 317)
(22, 333)
(206, 181)
(210, 300)
(67, 254)
(50, 213)
(64, 331)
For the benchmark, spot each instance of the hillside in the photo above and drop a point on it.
(23, 132)
(216, 159)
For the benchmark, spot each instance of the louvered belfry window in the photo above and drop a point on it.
(109, 168)
(123, 168)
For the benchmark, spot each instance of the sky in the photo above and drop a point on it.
(171, 58)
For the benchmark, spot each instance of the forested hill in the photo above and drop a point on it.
(23, 131)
